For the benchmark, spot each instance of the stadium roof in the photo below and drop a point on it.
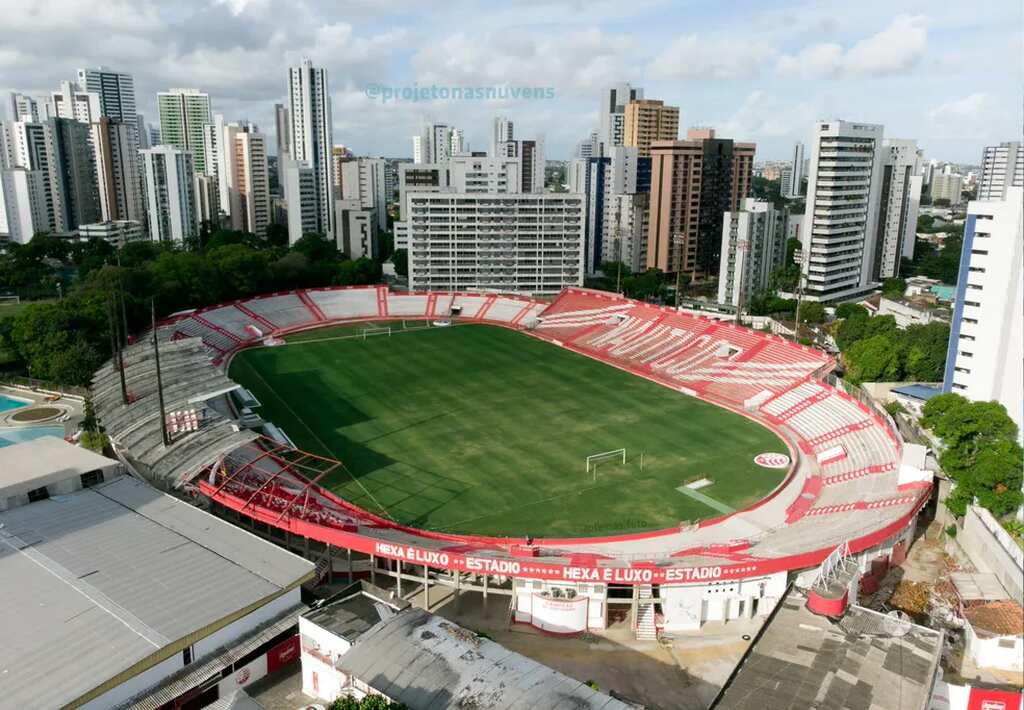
(923, 392)
(48, 459)
(111, 579)
(189, 379)
(427, 662)
(861, 662)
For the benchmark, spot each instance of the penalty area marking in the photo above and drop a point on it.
(706, 500)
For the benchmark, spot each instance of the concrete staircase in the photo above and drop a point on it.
(645, 626)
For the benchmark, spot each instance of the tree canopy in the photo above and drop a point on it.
(874, 349)
(66, 340)
(980, 452)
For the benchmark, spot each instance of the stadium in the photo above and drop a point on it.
(582, 456)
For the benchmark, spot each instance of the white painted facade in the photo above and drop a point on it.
(463, 241)
(300, 194)
(310, 133)
(985, 360)
(23, 204)
(612, 113)
(843, 191)
(899, 203)
(1002, 168)
(752, 247)
(170, 194)
(796, 174)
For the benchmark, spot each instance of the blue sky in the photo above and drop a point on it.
(949, 76)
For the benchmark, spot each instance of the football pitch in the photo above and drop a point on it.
(479, 429)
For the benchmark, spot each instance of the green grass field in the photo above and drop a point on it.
(478, 429)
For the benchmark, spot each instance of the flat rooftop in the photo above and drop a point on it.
(864, 661)
(43, 461)
(429, 663)
(107, 576)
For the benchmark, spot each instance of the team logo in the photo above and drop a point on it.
(772, 460)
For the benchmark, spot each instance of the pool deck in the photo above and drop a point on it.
(74, 409)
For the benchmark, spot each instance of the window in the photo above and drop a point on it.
(186, 655)
(1007, 643)
(37, 494)
(92, 478)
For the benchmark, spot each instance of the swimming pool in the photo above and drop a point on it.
(8, 403)
(11, 436)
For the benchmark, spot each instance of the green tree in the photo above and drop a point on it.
(894, 288)
(812, 312)
(645, 286)
(401, 261)
(277, 235)
(873, 359)
(370, 702)
(925, 351)
(848, 310)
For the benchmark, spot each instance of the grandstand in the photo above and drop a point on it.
(849, 482)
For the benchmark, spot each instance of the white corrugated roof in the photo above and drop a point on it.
(43, 461)
(96, 581)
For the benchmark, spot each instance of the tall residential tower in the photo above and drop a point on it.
(309, 114)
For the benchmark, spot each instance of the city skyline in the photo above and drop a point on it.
(917, 69)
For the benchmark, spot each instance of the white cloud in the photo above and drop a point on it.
(692, 57)
(894, 49)
(966, 117)
(579, 61)
(762, 115)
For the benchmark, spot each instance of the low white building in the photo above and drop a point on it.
(118, 232)
(908, 313)
(526, 243)
(363, 641)
(994, 633)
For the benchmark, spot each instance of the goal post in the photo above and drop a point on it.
(595, 459)
(382, 330)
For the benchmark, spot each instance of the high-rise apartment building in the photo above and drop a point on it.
(242, 177)
(530, 155)
(116, 92)
(339, 156)
(74, 104)
(282, 125)
(21, 107)
(117, 170)
(71, 170)
(300, 195)
(23, 207)
(840, 223)
(797, 175)
(363, 181)
(1002, 167)
(693, 183)
(612, 112)
(985, 355)
(434, 143)
(948, 187)
(898, 206)
(454, 246)
(456, 142)
(753, 246)
(171, 203)
(309, 112)
(183, 115)
(502, 132)
(648, 120)
(589, 147)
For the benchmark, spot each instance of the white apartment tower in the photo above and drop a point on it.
(985, 356)
(796, 171)
(117, 170)
(503, 131)
(434, 143)
(23, 210)
(282, 124)
(843, 190)
(170, 194)
(300, 195)
(73, 103)
(363, 180)
(612, 111)
(898, 205)
(453, 244)
(21, 107)
(752, 247)
(309, 113)
(1002, 168)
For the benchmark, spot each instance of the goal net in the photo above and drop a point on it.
(383, 330)
(594, 460)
